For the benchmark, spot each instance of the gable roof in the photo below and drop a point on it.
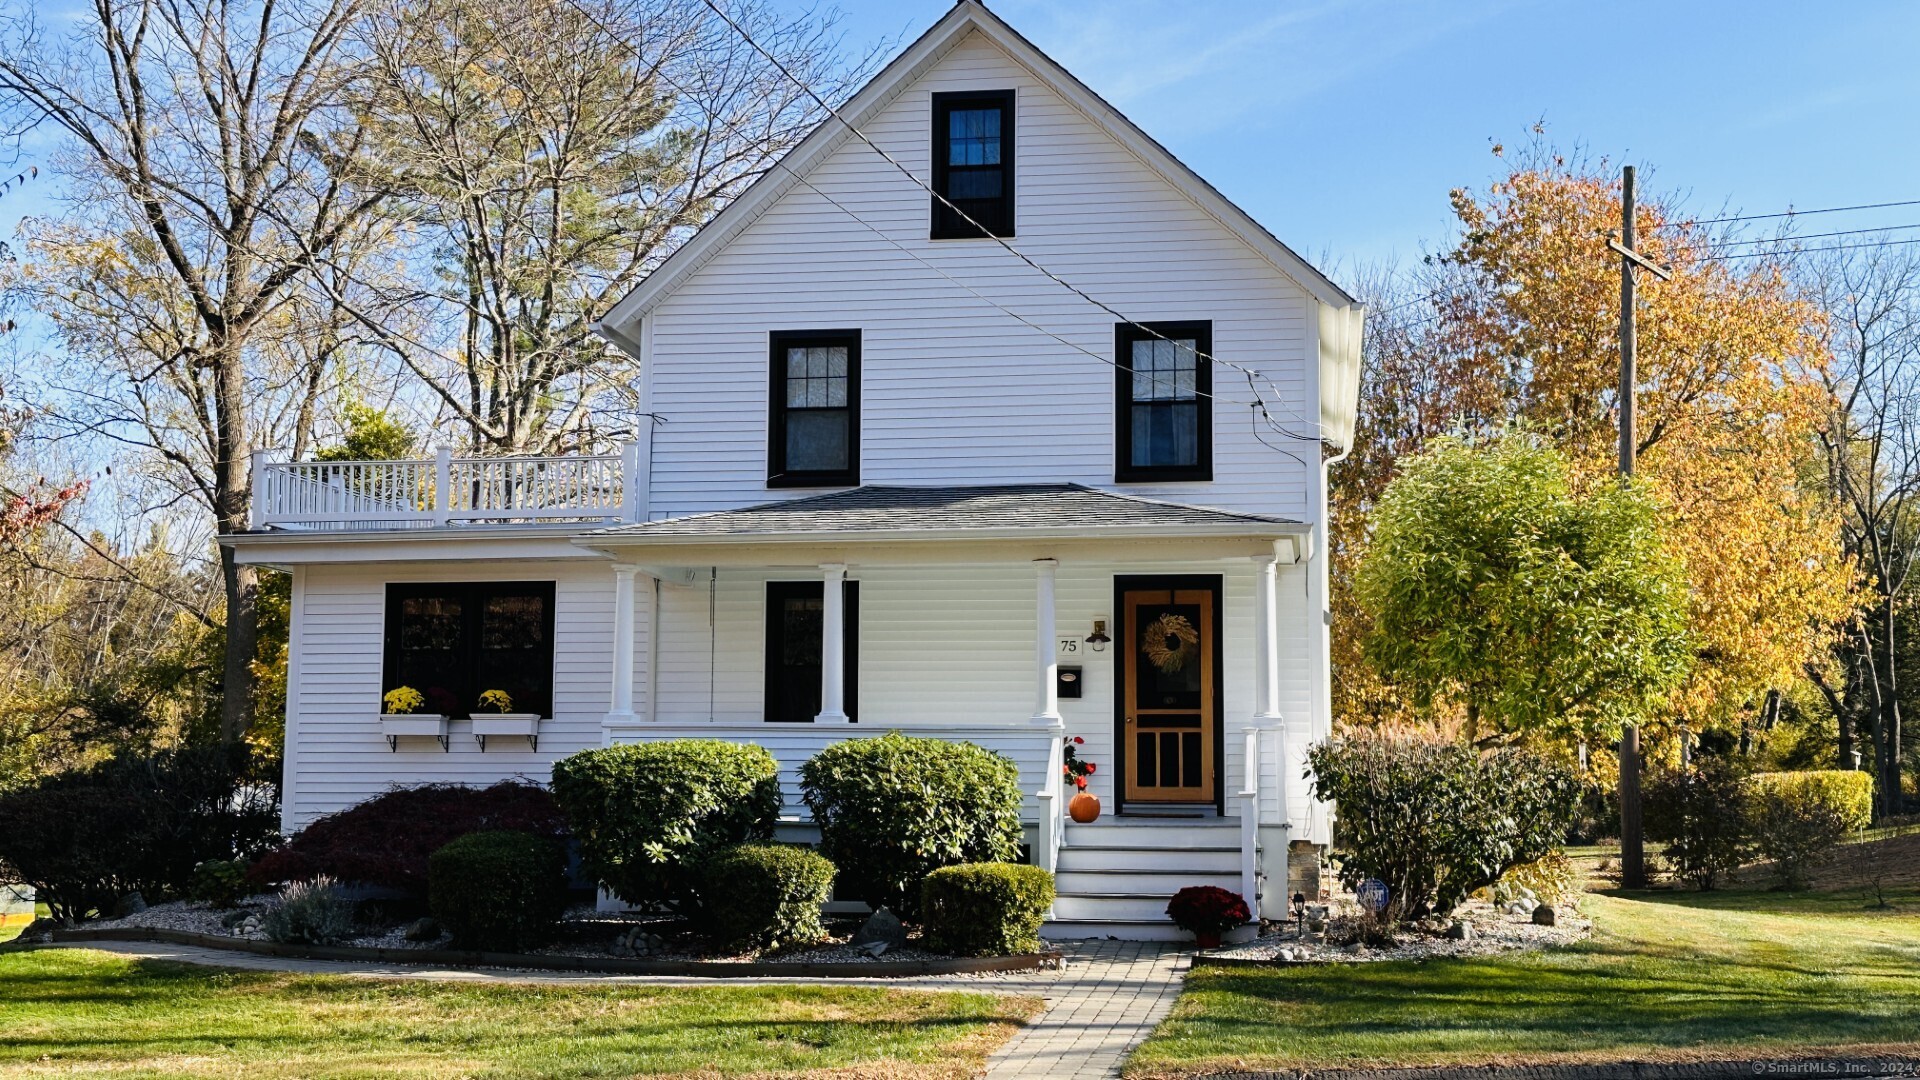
(982, 512)
(965, 16)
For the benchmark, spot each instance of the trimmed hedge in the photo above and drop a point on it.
(1848, 793)
(893, 809)
(499, 890)
(386, 840)
(986, 909)
(650, 816)
(766, 896)
(1436, 820)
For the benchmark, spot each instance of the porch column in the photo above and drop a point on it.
(833, 642)
(1266, 639)
(623, 590)
(1046, 698)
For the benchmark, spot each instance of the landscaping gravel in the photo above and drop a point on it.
(1492, 930)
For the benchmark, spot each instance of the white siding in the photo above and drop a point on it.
(336, 755)
(953, 390)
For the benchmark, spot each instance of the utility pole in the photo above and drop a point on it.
(1633, 857)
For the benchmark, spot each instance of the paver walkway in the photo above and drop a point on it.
(1106, 1000)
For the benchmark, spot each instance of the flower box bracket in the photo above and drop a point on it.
(431, 725)
(524, 725)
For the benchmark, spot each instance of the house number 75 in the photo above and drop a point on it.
(1070, 646)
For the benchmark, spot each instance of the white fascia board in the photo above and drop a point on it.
(964, 17)
(283, 549)
(758, 552)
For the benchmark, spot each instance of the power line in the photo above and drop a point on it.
(949, 204)
(1798, 213)
(1820, 236)
(1812, 250)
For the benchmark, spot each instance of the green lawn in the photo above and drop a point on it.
(1666, 975)
(11, 925)
(83, 1011)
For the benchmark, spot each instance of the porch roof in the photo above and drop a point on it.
(952, 513)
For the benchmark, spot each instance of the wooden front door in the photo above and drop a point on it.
(1169, 691)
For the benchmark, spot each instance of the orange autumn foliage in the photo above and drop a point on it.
(1523, 328)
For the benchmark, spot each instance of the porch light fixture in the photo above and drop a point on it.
(1098, 639)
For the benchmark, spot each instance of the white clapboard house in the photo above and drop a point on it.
(896, 478)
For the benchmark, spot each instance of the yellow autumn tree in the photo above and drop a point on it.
(1525, 311)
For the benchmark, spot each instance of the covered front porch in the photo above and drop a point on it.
(800, 625)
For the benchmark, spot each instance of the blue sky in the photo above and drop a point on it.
(1342, 125)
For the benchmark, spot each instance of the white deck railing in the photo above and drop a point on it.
(445, 490)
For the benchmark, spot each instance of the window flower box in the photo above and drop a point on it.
(431, 725)
(523, 724)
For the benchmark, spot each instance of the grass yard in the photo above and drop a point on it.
(83, 1011)
(11, 925)
(1675, 976)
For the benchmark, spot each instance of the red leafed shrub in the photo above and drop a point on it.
(386, 840)
(1207, 909)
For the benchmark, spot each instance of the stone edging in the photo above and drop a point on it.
(1867, 1065)
(1206, 960)
(612, 965)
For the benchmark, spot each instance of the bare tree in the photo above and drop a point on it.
(545, 156)
(203, 140)
(1872, 457)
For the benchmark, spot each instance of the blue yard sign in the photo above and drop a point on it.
(1372, 895)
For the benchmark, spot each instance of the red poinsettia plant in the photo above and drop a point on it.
(1076, 769)
(1207, 910)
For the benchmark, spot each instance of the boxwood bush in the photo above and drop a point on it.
(498, 890)
(893, 809)
(386, 840)
(986, 909)
(650, 816)
(766, 896)
(1437, 820)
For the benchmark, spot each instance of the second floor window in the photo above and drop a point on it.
(814, 426)
(973, 164)
(1164, 426)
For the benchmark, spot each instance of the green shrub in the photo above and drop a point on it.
(499, 890)
(986, 909)
(1702, 815)
(1435, 820)
(312, 912)
(1551, 879)
(650, 816)
(1848, 793)
(1795, 829)
(767, 896)
(893, 809)
(220, 882)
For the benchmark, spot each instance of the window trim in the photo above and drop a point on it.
(1124, 335)
(944, 225)
(778, 591)
(473, 596)
(778, 476)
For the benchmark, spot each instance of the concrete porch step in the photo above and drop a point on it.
(1208, 859)
(1138, 882)
(1115, 906)
(1129, 930)
(1155, 833)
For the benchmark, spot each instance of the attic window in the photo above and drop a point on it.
(973, 165)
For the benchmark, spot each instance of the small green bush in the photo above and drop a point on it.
(1551, 879)
(1702, 815)
(986, 909)
(650, 816)
(220, 882)
(893, 809)
(500, 891)
(311, 912)
(1848, 793)
(1437, 820)
(1796, 833)
(767, 896)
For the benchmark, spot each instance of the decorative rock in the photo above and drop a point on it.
(1460, 931)
(423, 929)
(882, 925)
(873, 948)
(1544, 915)
(235, 917)
(1287, 955)
(40, 931)
(131, 904)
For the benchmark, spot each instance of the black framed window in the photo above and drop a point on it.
(453, 641)
(795, 618)
(973, 164)
(814, 427)
(1164, 425)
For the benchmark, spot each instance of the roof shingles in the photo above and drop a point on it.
(949, 509)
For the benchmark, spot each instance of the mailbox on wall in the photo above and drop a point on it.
(1069, 680)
